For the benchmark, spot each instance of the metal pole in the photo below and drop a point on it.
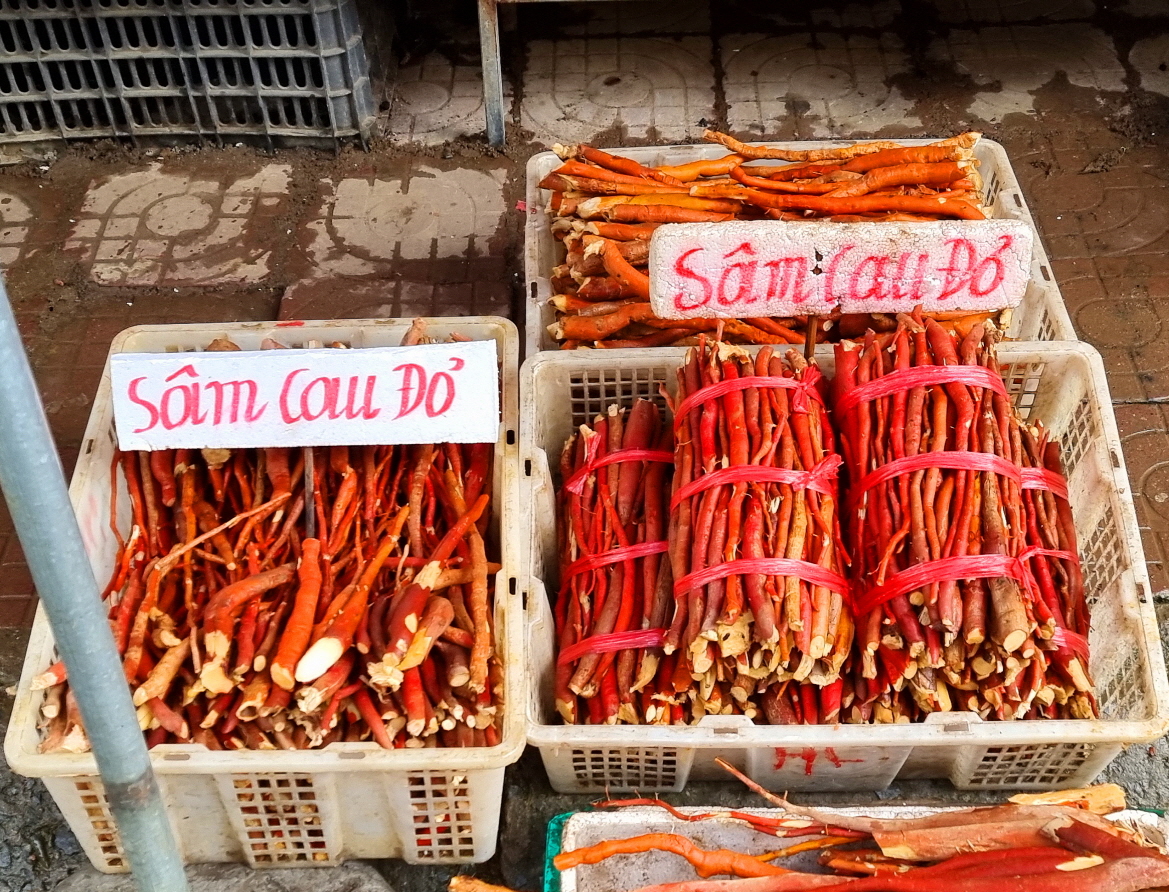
(492, 70)
(34, 485)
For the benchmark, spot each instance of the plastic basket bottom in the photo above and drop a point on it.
(92, 795)
(440, 803)
(279, 818)
(1036, 765)
(625, 767)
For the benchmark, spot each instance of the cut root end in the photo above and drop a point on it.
(318, 660)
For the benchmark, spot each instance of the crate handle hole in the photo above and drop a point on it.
(352, 755)
(511, 438)
(1046, 273)
(177, 757)
(1115, 459)
(532, 285)
(528, 468)
(956, 727)
(1018, 199)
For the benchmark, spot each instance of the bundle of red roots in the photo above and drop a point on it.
(910, 550)
(605, 209)
(261, 604)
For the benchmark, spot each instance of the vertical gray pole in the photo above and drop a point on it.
(34, 485)
(492, 70)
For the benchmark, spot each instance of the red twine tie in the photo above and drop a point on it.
(614, 641)
(612, 556)
(575, 483)
(805, 570)
(821, 478)
(804, 388)
(922, 376)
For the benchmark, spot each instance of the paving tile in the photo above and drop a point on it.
(1127, 319)
(366, 226)
(15, 580)
(394, 298)
(16, 613)
(1094, 212)
(743, 15)
(10, 550)
(435, 101)
(574, 89)
(1142, 8)
(1150, 58)
(1144, 435)
(879, 14)
(414, 241)
(839, 82)
(1013, 10)
(1013, 62)
(159, 226)
(628, 18)
(16, 218)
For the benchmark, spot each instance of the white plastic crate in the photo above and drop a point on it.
(1061, 383)
(294, 808)
(624, 873)
(1040, 317)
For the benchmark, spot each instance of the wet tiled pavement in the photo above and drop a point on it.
(98, 239)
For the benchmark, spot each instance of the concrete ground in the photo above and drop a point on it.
(99, 237)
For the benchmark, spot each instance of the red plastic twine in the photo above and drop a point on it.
(955, 461)
(922, 376)
(1041, 478)
(805, 570)
(821, 478)
(803, 389)
(1073, 641)
(612, 556)
(613, 642)
(969, 566)
(1027, 478)
(575, 483)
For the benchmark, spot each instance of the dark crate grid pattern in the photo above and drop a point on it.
(80, 68)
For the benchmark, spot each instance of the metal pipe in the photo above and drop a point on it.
(34, 485)
(492, 70)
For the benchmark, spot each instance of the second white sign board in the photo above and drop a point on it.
(782, 268)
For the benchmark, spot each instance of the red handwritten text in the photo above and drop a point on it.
(749, 270)
(808, 755)
(187, 403)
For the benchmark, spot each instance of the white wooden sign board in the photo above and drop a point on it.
(431, 393)
(784, 268)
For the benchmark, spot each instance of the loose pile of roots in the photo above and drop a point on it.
(605, 208)
(258, 605)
